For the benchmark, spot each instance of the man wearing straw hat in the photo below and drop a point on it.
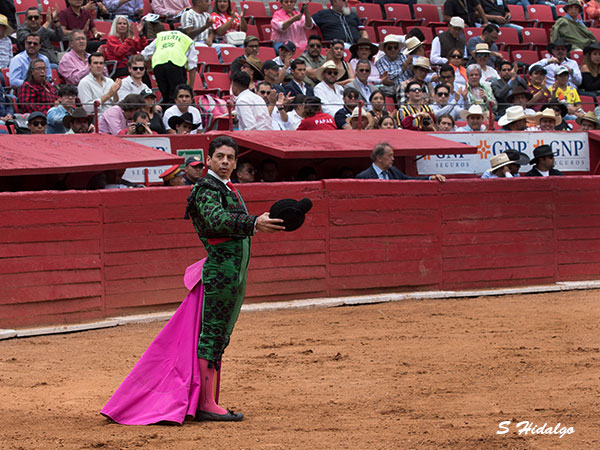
(474, 117)
(500, 167)
(330, 93)
(391, 63)
(588, 121)
(518, 159)
(547, 120)
(6, 52)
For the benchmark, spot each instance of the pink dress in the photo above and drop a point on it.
(295, 32)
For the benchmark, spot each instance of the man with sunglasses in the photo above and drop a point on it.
(351, 97)
(19, 65)
(361, 81)
(391, 64)
(489, 36)
(443, 106)
(330, 93)
(543, 163)
(50, 31)
(133, 84)
(313, 58)
(415, 115)
(503, 86)
(453, 38)
(36, 122)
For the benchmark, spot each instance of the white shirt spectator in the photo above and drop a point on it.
(252, 112)
(191, 18)
(293, 120)
(129, 87)
(331, 100)
(174, 111)
(6, 52)
(489, 74)
(574, 77)
(89, 90)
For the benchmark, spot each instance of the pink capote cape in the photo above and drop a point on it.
(164, 385)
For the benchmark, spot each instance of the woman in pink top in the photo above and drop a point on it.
(226, 19)
(289, 25)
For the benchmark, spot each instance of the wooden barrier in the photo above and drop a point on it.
(75, 256)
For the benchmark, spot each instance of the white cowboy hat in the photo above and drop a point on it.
(329, 65)
(396, 39)
(474, 110)
(512, 114)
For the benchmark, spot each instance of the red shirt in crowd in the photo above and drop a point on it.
(117, 50)
(320, 121)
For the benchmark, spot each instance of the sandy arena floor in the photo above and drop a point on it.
(413, 374)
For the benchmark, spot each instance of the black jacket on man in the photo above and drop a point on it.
(393, 172)
(536, 173)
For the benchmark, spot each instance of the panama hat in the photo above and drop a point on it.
(512, 114)
(412, 44)
(291, 211)
(329, 65)
(256, 64)
(474, 110)
(422, 62)
(4, 21)
(457, 22)
(589, 116)
(499, 161)
(482, 48)
(365, 115)
(547, 113)
(390, 38)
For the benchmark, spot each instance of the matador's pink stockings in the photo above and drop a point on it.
(207, 394)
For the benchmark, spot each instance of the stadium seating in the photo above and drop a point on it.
(542, 15)
(536, 37)
(370, 13)
(217, 80)
(509, 38)
(401, 14)
(472, 32)
(209, 57)
(517, 16)
(228, 54)
(524, 58)
(266, 53)
(384, 30)
(426, 31)
(429, 13)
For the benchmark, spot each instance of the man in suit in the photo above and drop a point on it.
(383, 167)
(297, 85)
(361, 82)
(543, 163)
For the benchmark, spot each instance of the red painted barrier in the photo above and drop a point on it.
(75, 256)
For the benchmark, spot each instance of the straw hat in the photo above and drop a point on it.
(482, 48)
(365, 115)
(474, 110)
(500, 160)
(512, 114)
(547, 113)
(329, 65)
(4, 21)
(393, 38)
(457, 22)
(589, 116)
(422, 62)
(411, 44)
(256, 64)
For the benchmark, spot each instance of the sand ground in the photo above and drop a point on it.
(407, 375)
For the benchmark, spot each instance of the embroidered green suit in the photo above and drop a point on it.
(224, 227)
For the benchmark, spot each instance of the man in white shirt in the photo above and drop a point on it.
(250, 109)
(330, 93)
(276, 104)
(196, 23)
(95, 86)
(133, 84)
(184, 96)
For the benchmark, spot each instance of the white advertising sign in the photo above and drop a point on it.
(136, 175)
(571, 150)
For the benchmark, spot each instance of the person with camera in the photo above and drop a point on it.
(117, 117)
(140, 125)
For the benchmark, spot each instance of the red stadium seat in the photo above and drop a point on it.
(370, 14)
(230, 53)
(472, 32)
(517, 16)
(266, 53)
(371, 33)
(541, 14)
(524, 57)
(577, 55)
(314, 7)
(401, 14)
(595, 32)
(103, 26)
(537, 37)
(588, 103)
(253, 8)
(22, 5)
(509, 38)
(430, 14)
(209, 57)
(426, 31)
(264, 32)
(273, 7)
(217, 80)
(384, 30)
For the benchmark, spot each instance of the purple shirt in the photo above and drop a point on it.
(112, 121)
(127, 9)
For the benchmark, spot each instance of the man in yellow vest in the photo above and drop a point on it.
(173, 55)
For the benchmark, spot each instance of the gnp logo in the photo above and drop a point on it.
(483, 149)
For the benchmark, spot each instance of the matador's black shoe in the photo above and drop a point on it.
(230, 416)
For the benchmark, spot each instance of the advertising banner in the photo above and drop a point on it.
(136, 174)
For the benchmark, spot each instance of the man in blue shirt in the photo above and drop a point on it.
(67, 94)
(130, 8)
(19, 65)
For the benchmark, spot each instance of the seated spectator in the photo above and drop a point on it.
(446, 123)
(50, 32)
(314, 117)
(79, 122)
(132, 9)
(515, 119)
(285, 57)
(547, 120)
(74, 65)
(452, 39)
(500, 167)
(290, 25)
(67, 95)
(571, 28)
(244, 171)
(561, 111)
(253, 67)
(170, 8)
(386, 123)
(36, 93)
(330, 93)
(154, 112)
(6, 51)
(489, 36)
(226, 20)
(482, 56)
(361, 82)
(197, 24)
(588, 122)
(366, 120)
(122, 43)
(537, 86)
(193, 170)
(296, 115)
(269, 171)
(468, 11)
(298, 85)
(559, 49)
(251, 47)
(250, 109)
(273, 75)
(383, 168)
(454, 76)
(520, 97)
(340, 23)
(566, 94)
(139, 125)
(478, 92)
(184, 97)
(19, 65)
(444, 105)
(365, 50)
(183, 124)
(592, 12)
(350, 98)
(543, 163)
(377, 103)
(474, 117)
(77, 17)
(336, 54)
(393, 64)
(133, 83)
(590, 70)
(173, 176)
(117, 118)
(415, 115)
(7, 109)
(421, 69)
(307, 173)
(497, 12)
(276, 105)
(313, 58)
(95, 86)
(36, 122)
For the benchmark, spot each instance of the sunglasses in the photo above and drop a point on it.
(392, 47)
(315, 45)
(140, 69)
(446, 77)
(415, 90)
(264, 92)
(364, 70)
(331, 72)
(32, 43)
(455, 56)
(482, 55)
(443, 94)
(38, 123)
(33, 17)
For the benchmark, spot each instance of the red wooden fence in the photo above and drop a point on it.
(74, 256)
